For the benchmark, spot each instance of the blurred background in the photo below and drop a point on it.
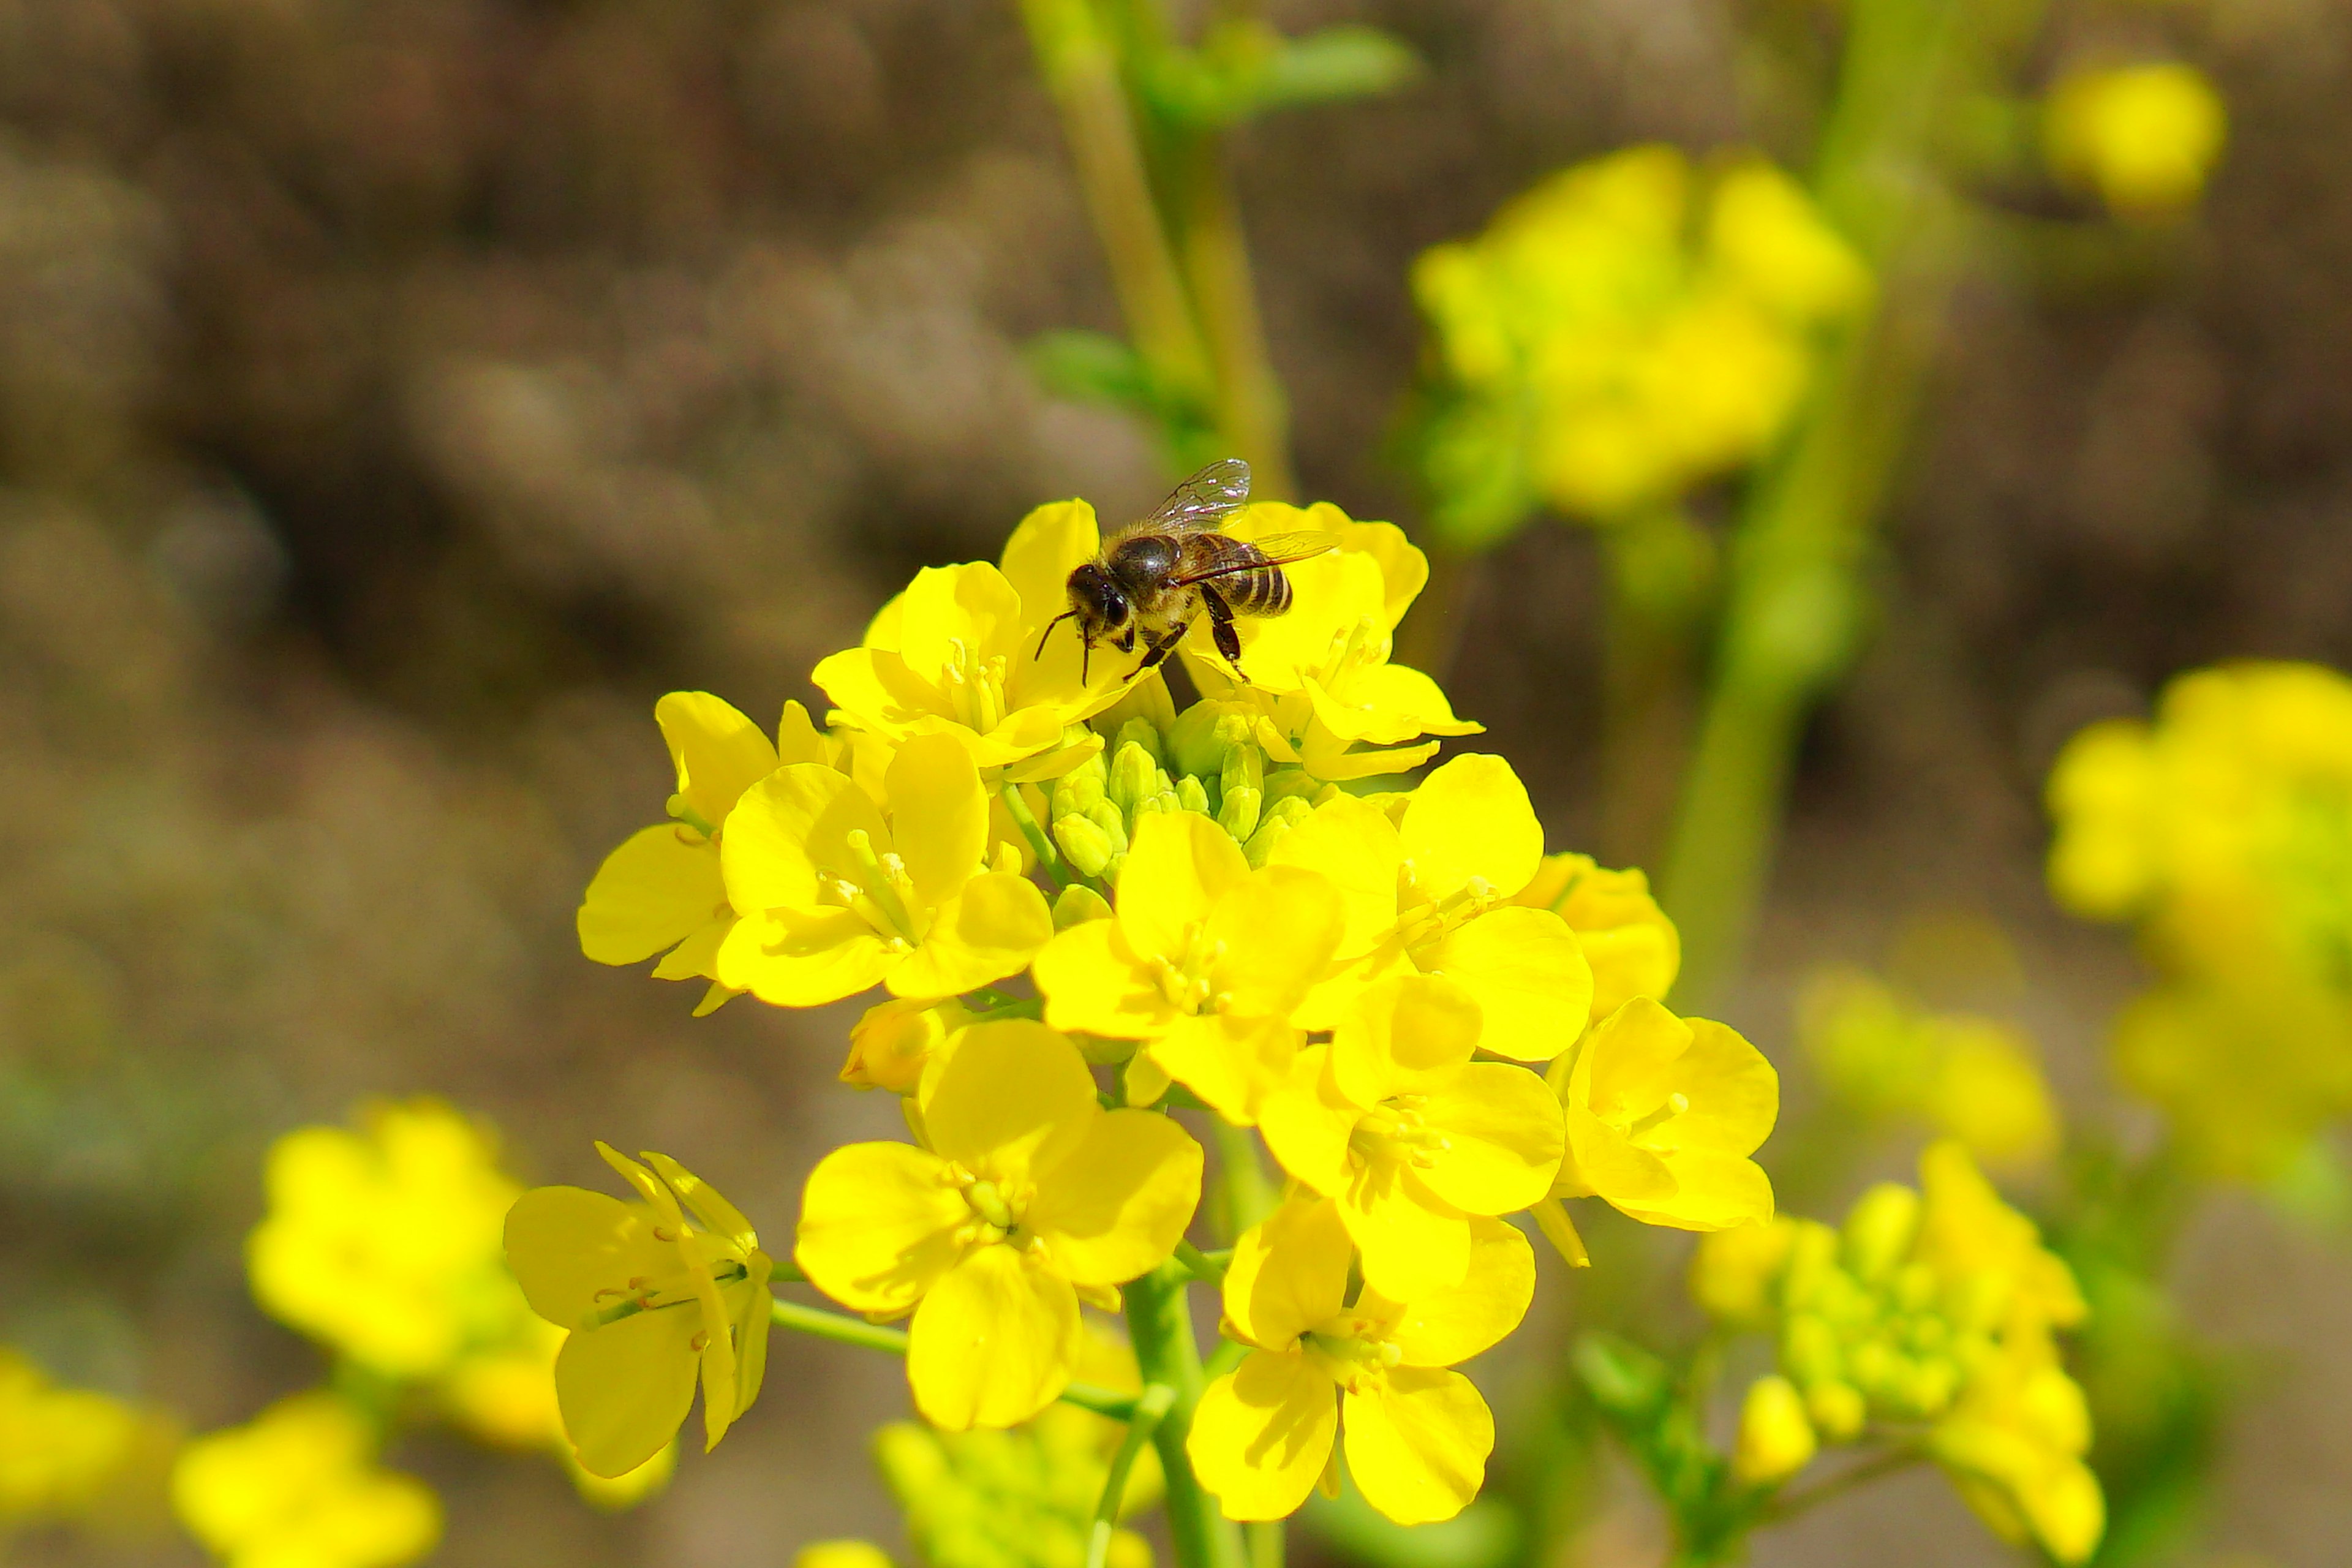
(396, 398)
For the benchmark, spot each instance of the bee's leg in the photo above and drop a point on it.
(1222, 629)
(1160, 648)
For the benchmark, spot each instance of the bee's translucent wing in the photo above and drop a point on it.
(1273, 550)
(1201, 503)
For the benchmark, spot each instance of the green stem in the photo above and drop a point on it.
(1659, 571)
(1160, 1324)
(842, 1329)
(1208, 1268)
(1253, 413)
(1049, 859)
(1150, 1405)
(1264, 1540)
(1249, 1195)
(1789, 1505)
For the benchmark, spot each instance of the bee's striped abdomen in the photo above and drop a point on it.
(1263, 590)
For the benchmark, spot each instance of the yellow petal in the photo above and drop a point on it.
(940, 816)
(751, 1300)
(1177, 866)
(1008, 1100)
(993, 1342)
(1627, 1069)
(1470, 819)
(718, 753)
(789, 829)
(1503, 1138)
(789, 958)
(1551, 1218)
(1095, 983)
(624, 1388)
(1288, 1273)
(652, 893)
(1601, 1162)
(1403, 1035)
(1529, 972)
(1734, 1093)
(569, 1247)
(879, 1225)
(1307, 1123)
(1262, 1434)
(1232, 1063)
(1385, 704)
(1355, 846)
(1448, 1326)
(798, 740)
(1712, 1192)
(988, 931)
(696, 958)
(698, 1195)
(1046, 547)
(1275, 932)
(1118, 1203)
(1417, 1444)
(1413, 1242)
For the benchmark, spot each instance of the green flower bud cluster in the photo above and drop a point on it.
(1022, 1498)
(1207, 761)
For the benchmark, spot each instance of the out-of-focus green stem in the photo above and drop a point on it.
(1251, 408)
(1659, 571)
(1160, 1325)
(1081, 68)
(1150, 1405)
(1793, 596)
(1249, 1195)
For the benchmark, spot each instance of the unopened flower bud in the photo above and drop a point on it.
(1879, 1229)
(1237, 815)
(1134, 776)
(1078, 904)
(1273, 823)
(1139, 733)
(1192, 797)
(1808, 1349)
(1075, 792)
(889, 1045)
(1776, 1437)
(1838, 1410)
(1085, 844)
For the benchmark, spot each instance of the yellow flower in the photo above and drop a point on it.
(1632, 947)
(69, 1453)
(384, 1243)
(1980, 1247)
(300, 1485)
(1776, 1439)
(1412, 1138)
(1416, 1434)
(889, 1047)
(661, 890)
(1320, 685)
(1204, 961)
(834, 900)
(2013, 1446)
(2144, 138)
(959, 654)
(1430, 893)
(651, 1300)
(1662, 1113)
(1024, 1194)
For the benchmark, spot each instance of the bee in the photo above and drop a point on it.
(1158, 573)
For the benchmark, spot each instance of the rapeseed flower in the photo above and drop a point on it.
(70, 1453)
(1203, 961)
(1023, 1194)
(1430, 893)
(1662, 1115)
(661, 892)
(834, 898)
(301, 1484)
(2143, 137)
(1633, 948)
(652, 1301)
(1410, 1138)
(1373, 1373)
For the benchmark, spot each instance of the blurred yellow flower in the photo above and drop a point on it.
(1776, 1438)
(2013, 1445)
(651, 1300)
(1204, 961)
(1024, 1194)
(1662, 1113)
(1626, 328)
(834, 899)
(300, 1486)
(1431, 892)
(1416, 1434)
(2143, 137)
(1632, 946)
(661, 891)
(1409, 1137)
(383, 1242)
(69, 1453)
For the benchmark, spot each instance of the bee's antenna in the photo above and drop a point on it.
(1056, 621)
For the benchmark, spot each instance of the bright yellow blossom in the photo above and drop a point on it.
(963, 653)
(1024, 1194)
(2144, 138)
(2013, 1446)
(834, 898)
(889, 1047)
(1632, 947)
(660, 892)
(651, 1300)
(1431, 892)
(300, 1486)
(1412, 1138)
(1662, 1113)
(70, 1453)
(384, 1242)
(1416, 1434)
(1204, 961)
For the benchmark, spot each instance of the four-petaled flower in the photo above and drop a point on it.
(1025, 1194)
(651, 1300)
(1417, 1434)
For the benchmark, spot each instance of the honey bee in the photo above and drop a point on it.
(1160, 573)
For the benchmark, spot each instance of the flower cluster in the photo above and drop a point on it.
(2223, 832)
(1088, 910)
(72, 1454)
(1929, 1320)
(1630, 327)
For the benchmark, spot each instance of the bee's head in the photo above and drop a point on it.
(1099, 604)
